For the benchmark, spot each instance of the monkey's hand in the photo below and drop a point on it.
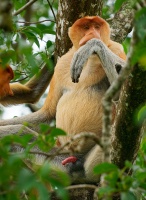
(108, 59)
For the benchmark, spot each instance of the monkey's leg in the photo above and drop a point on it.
(93, 158)
(34, 118)
(14, 129)
(108, 59)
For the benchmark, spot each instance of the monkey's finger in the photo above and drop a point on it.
(77, 71)
(83, 57)
(74, 66)
(78, 61)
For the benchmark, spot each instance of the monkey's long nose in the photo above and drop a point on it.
(89, 35)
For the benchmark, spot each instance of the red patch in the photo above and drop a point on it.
(71, 159)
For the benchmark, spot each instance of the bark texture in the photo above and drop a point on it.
(5, 15)
(126, 130)
(122, 22)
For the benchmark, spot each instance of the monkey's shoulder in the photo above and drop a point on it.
(62, 69)
(65, 60)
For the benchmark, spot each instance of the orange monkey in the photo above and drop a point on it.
(6, 74)
(77, 106)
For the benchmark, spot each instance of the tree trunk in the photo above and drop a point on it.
(126, 130)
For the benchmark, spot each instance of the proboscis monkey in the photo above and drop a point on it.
(6, 74)
(31, 91)
(76, 91)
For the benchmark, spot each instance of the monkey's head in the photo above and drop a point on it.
(87, 28)
(6, 74)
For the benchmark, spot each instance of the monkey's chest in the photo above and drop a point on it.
(79, 111)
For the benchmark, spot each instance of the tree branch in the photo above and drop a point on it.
(122, 22)
(47, 20)
(107, 103)
(79, 192)
(52, 10)
(24, 7)
(126, 133)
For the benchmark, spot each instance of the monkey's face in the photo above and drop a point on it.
(6, 74)
(90, 30)
(87, 28)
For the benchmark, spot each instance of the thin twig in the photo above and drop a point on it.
(47, 20)
(28, 166)
(52, 10)
(20, 80)
(40, 153)
(24, 7)
(81, 186)
(60, 150)
(76, 137)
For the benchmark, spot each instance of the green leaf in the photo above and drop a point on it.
(32, 37)
(45, 29)
(26, 180)
(112, 178)
(128, 164)
(23, 140)
(57, 132)
(53, 175)
(141, 176)
(44, 128)
(36, 31)
(49, 44)
(6, 55)
(140, 24)
(118, 4)
(142, 114)
(58, 179)
(105, 168)
(106, 191)
(62, 193)
(43, 191)
(128, 196)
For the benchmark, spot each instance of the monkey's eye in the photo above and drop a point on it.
(86, 27)
(97, 26)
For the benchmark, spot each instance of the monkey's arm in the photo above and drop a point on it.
(45, 114)
(107, 57)
(31, 91)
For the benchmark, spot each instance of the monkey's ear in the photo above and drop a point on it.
(69, 30)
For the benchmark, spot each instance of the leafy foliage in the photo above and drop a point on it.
(129, 186)
(18, 47)
(21, 175)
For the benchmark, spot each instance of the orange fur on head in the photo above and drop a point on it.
(87, 28)
(6, 74)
